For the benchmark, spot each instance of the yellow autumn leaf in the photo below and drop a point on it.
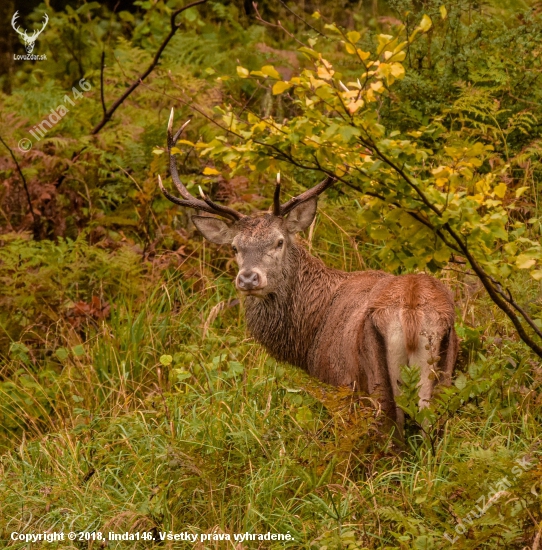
(363, 55)
(536, 275)
(500, 190)
(210, 171)
(242, 72)
(349, 48)
(438, 171)
(355, 105)
(280, 87)
(383, 70)
(383, 41)
(353, 36)
(524, 262)
(520, 191)
(324, 73)
(443, 12)
(397, 70)
(326, 63)
(425, 23)
(269, 70)
(399, 56)
(340, 171)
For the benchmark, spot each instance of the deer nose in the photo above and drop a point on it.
(248, 280)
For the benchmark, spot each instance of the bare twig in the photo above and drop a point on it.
(35, 220)
(302, 20)
(277, 25)
(174, 28)
(102, 65)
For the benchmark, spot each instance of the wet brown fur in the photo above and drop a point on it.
(348, 329)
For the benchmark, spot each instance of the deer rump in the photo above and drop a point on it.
(368, 327)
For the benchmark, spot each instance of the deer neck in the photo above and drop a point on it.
(286, 323)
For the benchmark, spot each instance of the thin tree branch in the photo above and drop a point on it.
(509, 298)
(277, 25)
(102, 65)
(174, 28)
(35, 224)
(493, 293)
(302, 20)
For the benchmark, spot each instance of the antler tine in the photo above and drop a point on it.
(219, 209)
(207, 205)
(194, 203)
(276, 198)
(36, 32)
(13, 22)
(306, 195)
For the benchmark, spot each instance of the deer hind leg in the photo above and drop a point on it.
(436, 355)
(396, 357)
(373, 347)
(426, 358)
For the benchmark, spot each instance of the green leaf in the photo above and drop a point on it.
(461, 381)
(442, 255)
(309, 52)
(181, 375)
(62, 354)
(78, 350)
(166, 360)
(304, 416)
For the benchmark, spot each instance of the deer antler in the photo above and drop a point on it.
(36, 32)
(282, 210)
(13, 21)
(207, 205)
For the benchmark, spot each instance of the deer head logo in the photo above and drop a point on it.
(29, 41)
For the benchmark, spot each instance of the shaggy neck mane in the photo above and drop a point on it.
(286, 322)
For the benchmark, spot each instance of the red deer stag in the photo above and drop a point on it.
(347, 329)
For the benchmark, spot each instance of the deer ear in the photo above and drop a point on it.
(214, 230)
(302, 216)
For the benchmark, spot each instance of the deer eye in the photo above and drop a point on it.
(280, 243)
(234, 248)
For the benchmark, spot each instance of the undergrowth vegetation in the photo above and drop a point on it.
(131, 397)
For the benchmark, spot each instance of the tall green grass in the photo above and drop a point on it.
(163, 415)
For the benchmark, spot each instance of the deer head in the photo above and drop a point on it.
(262, 242)
(29, 41)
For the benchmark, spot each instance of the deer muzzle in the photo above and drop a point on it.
(250, 280)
